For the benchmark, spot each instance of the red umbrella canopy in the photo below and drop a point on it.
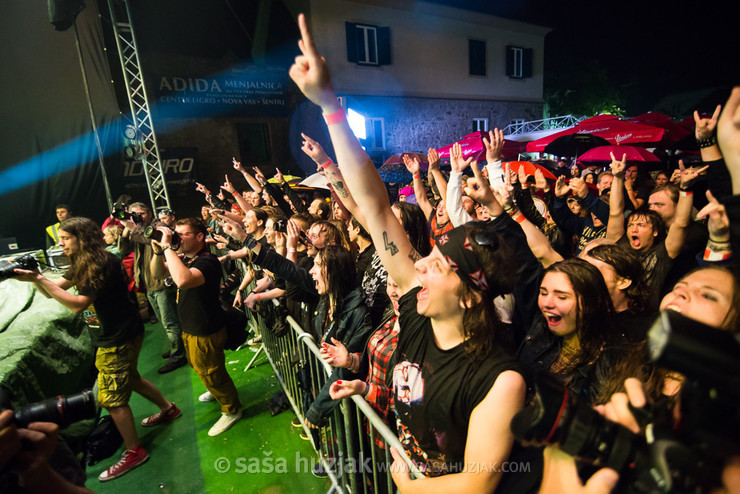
(472, 145)
(612, 129)
(398, 159)
(673, 130)
(530, 168)
(651, 116)
(634, 154)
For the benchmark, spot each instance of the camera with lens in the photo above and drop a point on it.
(26, 261)
(120, 213)
(665, 458)
(154, 234)
(61, 410)
(281, 225)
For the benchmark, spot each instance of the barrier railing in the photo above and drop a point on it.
(349, 443)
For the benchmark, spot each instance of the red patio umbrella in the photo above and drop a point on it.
(530, 168)
(612, 129)
(398, 159)
(673, 130)
(472, 145)
(634, 154)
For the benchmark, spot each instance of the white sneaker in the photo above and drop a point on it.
(224, 423)
(206, 397)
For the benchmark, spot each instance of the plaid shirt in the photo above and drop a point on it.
(380, 347)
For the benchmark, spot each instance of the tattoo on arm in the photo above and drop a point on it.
(389, 245)
(414, 255)
(339, 187)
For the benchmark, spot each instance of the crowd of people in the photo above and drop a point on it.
(443, 308)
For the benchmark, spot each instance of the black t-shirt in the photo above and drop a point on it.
(436, 390)
(655, 263)
(113, 318)
(199, 308)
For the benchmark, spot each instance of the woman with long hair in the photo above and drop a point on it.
(115, 328)
(455, 389)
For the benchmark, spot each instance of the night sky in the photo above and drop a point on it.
(650, 48)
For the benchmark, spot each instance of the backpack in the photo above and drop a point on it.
(103, 442)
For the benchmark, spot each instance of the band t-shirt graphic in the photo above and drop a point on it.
(436, 390)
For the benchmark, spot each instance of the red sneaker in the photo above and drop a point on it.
(162, 417)
(130, 459)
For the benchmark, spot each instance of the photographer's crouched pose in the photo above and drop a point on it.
(115, 328)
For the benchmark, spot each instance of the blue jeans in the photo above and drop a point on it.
(164, 303)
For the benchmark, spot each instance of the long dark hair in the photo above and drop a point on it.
(416, 226)
(336, 264)
(628, 266)
(482, 326)
(594, 308)
(88, 261)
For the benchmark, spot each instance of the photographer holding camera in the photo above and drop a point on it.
(115, 329)
(160, 295)
(26, 452)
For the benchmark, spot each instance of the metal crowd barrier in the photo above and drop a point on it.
(346, 444)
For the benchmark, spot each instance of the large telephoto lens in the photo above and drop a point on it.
(61, 410)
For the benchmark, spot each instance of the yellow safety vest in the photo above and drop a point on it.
(53, 231)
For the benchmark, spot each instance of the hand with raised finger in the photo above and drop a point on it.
(227, 185)
(718, 223)
(676, 177)
(689, 175)
(705, 127)
(433, 158)
(618, 166)
(232, 228)
(579, 187)
(201, 188)
(523, 176)
(313, 150)
(279, 176)
(311, 73)
(293, 232)
(478, 187)
(259, 175)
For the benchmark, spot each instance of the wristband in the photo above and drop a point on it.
(235, 193)
(334, 118)
(328, 163)
(259, 297)
(418, 175)
(291, 250)
(706, 143)
(685, 193)
(712, 253)
(520, 218)
(367, 390)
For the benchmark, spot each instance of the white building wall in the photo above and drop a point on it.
(429, 50)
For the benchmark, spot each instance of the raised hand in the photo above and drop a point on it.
(259, 175)
(579, 187)
(728, 137)
(220, 195)
(523, 176)
(478, 188)
(227, 185)
(457, 162)
(433, 158)
(335, 355)
(718, 223)
(232, 228)
(279, 176)
(494, 144)
(310, 72)
(314, 150)
(540, 181)
(293, 233)
(201, 188)
(618, 166)
(411, 164)
(561, 188)
(237, 165)
(689, 175)
(705, 126)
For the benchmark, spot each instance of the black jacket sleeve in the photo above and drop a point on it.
(295, 199)
(282, 267)
(278, 196)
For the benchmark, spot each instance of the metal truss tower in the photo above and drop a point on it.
(140, 113)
